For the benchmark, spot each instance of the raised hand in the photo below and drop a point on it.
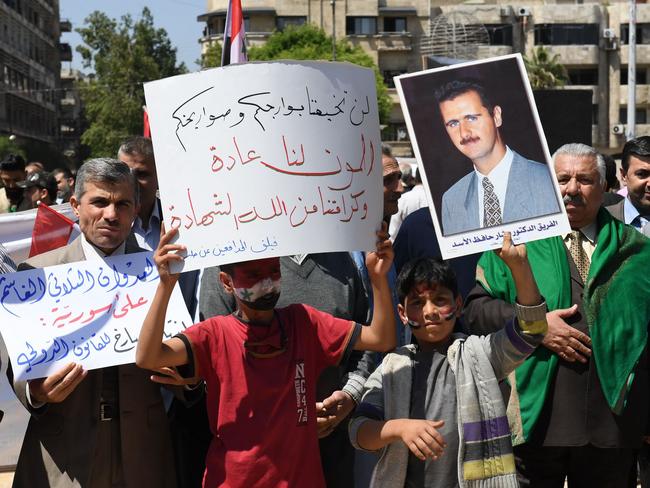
(163, 255)
(512, 255)
(379, 261)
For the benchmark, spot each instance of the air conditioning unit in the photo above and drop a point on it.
(523, 12)
(618, 129)
(505, 11)
(609, 34)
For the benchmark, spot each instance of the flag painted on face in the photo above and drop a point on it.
(234, 36)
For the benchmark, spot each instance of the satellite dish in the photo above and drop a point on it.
(454, 35)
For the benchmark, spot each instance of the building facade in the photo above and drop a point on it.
(589, 37)
(30, 65)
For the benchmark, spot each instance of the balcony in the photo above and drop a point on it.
(65, 25)
(642, 52)
(492, 51)
(65, 51)
(582, 54)
(393, 41)
(642, 94)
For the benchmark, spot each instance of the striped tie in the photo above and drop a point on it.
(491, 207)
(579, 255)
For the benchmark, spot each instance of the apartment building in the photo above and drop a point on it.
(591, 39)
(30, 64)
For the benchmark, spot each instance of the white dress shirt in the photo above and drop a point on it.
(499, 179)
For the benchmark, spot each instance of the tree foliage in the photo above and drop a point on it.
(8, 146)
(308, 42)
(211, 58)
(123, 55)
(544, 70)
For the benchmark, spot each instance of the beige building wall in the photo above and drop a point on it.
(392, 32)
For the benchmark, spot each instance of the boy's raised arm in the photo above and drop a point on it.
(516, 259)
(380, 335)
(152, 352)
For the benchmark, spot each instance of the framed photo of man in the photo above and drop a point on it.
(484, 159)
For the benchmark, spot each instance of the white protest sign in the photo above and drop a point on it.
(89, 312)
(268, 159)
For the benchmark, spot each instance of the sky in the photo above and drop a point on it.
(177, 17)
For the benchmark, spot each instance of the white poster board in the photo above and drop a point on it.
(498, 111)
(89, 312)
(268, 159)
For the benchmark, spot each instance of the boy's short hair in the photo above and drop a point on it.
(425, 270)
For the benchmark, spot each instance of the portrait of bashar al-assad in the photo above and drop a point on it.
(503, 186)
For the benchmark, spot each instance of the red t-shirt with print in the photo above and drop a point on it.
(261, 403)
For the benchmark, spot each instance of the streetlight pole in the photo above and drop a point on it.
(333, 4)
(630, 130)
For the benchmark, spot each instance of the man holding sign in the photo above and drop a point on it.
(261, 364)
(106, 427)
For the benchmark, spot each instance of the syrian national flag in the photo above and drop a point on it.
(234, 36)
(51, 230)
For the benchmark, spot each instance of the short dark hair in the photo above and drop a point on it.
(639, 146)
(107, 171)
(610, 173)
(142, 146)
(228, 268)
(12, 162)
(455, 88)
(425, 270)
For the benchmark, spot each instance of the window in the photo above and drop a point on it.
(388, 76)
(282, 22)
(566, 34)
(640, 115)
(587, 76)
(641, 75)
(500, 34)
(355, 26)
(395, 24)
(642, 33)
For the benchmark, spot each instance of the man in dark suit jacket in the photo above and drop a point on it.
(504, 186)
(106, 427)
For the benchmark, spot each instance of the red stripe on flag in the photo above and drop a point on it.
(147, 128)
(236, 18)
(51, 230)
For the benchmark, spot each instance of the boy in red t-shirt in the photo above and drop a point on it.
(260, 365)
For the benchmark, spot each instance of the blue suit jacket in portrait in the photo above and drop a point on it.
(529, 194)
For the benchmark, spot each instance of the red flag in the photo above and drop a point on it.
(147, 129)
(51, 230)
(234, 36)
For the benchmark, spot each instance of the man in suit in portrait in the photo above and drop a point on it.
(504, 186)
(106, 427)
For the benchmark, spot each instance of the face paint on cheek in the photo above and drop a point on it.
(262, 295)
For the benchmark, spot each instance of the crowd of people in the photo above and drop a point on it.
(525, 366)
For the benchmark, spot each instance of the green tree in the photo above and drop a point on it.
(123, 55)
(211, 58)
(308, 42)
(9, 146)
(544, 70)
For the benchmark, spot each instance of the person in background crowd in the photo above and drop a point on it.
(39, 187)
(610, 196)
(34, 167)
(64, 184)
(408, 203)
(579, 407)
(634, 209)
(188, 416)
(12, 170)
(408, 181)
(107, 427)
